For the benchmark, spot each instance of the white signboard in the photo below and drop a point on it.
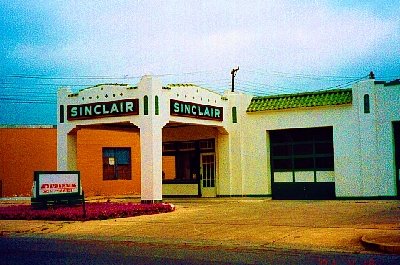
(51, 184)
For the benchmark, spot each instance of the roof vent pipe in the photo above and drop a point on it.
(371, 75)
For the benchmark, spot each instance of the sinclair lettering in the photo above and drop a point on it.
(194, 110)
(103, 109)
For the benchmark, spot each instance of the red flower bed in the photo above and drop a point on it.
(94, 211)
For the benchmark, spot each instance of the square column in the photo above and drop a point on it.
(66, 151)
(151, 164)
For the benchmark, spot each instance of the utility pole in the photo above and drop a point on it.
(233, 73)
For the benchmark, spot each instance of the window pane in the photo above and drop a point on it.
(123, 172)
(123, 156)
(325, 163)
(304, 163)
(207, 144)
(366, 104)
(157, 109)
(108, 172)
(169, 147)
(168, 167)
(281, 136)
(187, 165)
(282, 164)
(146, 105)
(323, 134)
(303, 149)
(187, 146)
(302, 135)
(324, 148)
(234, 115)
(108, 152)
(282, 150)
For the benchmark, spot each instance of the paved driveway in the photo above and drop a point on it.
(236, 222)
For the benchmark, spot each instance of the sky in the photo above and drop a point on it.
(280, 47)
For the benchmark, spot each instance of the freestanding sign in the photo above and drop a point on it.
(56, 187)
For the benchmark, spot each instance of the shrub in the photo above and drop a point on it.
(94, 211)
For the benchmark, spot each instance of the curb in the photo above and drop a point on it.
(384, 243)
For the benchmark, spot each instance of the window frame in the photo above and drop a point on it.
(187, 152)
(117, 167)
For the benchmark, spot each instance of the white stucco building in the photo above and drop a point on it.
(195, 142)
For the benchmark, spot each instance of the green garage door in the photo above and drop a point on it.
(302, 163)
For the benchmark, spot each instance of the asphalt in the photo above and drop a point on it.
(351, 226)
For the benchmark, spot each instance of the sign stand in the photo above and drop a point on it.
(83, 205)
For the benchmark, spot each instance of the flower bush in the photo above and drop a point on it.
(94, 211)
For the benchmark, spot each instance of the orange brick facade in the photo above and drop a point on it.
(25, 150)
(90, 161)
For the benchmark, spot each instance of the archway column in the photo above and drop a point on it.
(151, 163)
(66, 151)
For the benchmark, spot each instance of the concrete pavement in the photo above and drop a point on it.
(256, 223)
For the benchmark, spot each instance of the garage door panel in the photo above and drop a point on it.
(303, 191)
(325, 176)
(304, 176)
(287, 191)
(283, 177)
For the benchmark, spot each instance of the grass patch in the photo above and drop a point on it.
(94, 211)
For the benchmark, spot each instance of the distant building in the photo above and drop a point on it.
(184, 140)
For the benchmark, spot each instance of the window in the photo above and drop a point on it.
(157, 111)
(146, 105)
(181, 160)
(116, 163)
(187, 146)
(169, 147)
(207, 145)
(234, 115)
(366, 104)
(62, 114)
(308, 149)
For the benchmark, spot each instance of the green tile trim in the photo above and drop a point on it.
(301, 100)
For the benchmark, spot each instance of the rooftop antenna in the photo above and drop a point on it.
(233, 73)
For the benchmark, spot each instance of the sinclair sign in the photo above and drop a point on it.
(103, 109)
(194, 110)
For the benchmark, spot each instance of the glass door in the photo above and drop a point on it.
(207, 171)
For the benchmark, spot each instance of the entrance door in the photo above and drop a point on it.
(207, 172)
